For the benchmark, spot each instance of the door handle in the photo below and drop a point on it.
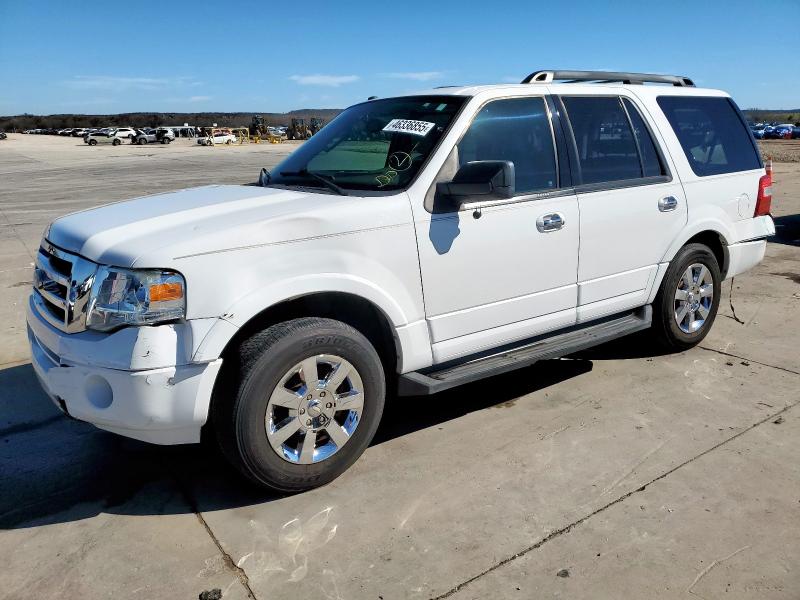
(667, 204)
(551, 222)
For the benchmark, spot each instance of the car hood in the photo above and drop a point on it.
(157, 231)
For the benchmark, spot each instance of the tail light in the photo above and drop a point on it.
(764, 198)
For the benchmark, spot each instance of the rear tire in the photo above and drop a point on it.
(116, 142)
(142, 141)
(687, 301)
(250, 415)
(93, 142)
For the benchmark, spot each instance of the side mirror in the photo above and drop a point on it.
(479, 180)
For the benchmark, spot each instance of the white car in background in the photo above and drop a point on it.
(128, 133)
(103, 137)
(114, 136)
(150, 135)
(222, 136)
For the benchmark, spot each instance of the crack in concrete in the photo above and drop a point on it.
(226, 558)
(574, 524)
(748, 360)
(30, 426)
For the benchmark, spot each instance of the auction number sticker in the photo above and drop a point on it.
(420, 128)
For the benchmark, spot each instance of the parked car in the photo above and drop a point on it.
(795, 132)
(163, 135)
(88, 132)
(415, 244)
(126, 133)
(758, 131)
(783, 132)
(220, 136)
(768, 129)
(104, 137)
(77, 132)
(3, 135)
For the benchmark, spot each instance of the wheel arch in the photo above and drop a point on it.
(374, 321)
(712, 234)
(358, 312)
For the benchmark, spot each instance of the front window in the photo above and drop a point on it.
(375, 146)
(518, 130)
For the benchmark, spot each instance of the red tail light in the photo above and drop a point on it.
(764, 198)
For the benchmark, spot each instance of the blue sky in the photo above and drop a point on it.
(175, 55)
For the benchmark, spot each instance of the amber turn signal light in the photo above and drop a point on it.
(161, 292)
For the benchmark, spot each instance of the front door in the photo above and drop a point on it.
(503, 270)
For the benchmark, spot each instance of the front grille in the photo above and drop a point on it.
(62, 282)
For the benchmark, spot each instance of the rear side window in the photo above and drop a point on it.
(516, 129)
(651, 160)
(712, 134)
(606, 147)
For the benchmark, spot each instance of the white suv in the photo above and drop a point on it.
(414, 244)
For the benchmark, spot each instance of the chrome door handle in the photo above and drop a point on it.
(551, 222)
(667, 204)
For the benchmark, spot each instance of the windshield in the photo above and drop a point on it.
(376, 146)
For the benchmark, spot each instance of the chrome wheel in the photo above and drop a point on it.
(315, 409)
(693, 298)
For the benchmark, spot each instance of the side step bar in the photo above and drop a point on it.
(523, 354)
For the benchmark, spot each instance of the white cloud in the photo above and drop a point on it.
(199, 98)
(327, 80)
(117, 83)
(416, 75)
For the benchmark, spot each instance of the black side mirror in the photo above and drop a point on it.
(479, 180)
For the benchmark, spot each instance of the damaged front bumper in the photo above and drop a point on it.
(119, 381)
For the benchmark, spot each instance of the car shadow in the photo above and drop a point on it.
(58, 470)
(787, 230)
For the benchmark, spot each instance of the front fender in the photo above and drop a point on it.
(247, 307)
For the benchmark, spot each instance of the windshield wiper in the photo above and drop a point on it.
(311, 175)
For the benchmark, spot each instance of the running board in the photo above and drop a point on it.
(523, 354)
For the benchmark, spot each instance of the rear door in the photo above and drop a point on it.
(632, 206)
(723, 159)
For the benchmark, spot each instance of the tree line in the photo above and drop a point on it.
(154, 119)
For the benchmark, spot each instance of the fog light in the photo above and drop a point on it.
(98, 392)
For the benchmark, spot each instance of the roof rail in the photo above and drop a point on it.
(606, 77)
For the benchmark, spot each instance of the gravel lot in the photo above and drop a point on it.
(780, 150)
(617, 473)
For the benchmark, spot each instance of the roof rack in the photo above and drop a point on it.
(606, 77)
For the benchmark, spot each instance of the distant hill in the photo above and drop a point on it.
(153, 119)
(758, 115)
(243, 119)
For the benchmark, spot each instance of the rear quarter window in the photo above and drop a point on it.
(712, 133)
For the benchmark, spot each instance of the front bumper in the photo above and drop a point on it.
(164, 405)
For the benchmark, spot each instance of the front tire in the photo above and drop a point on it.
(302, 404)
(687, 301)
(116, 142)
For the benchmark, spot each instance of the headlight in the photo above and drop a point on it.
(135, 297)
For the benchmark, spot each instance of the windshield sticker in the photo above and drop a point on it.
(420, 128)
